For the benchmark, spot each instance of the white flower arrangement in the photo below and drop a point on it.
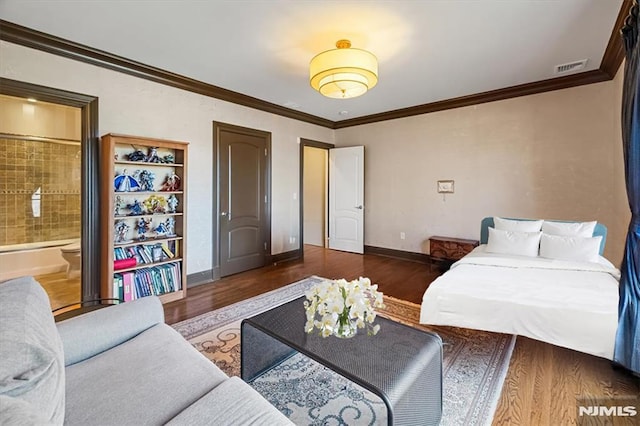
(343, 307)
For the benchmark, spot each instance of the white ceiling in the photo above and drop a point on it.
(428, 50)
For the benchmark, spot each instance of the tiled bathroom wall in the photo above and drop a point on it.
(54, 169)
(39, 149)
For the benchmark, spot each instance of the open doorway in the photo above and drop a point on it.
(331, 196)
(81, 208)
(40, 156)
(314, 193)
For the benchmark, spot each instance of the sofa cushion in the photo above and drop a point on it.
(32, 366)
(117, 324)
(231, 403)
(146, 380)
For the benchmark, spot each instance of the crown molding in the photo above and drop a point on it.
(14, 33)
(28, 37)
(588, 77)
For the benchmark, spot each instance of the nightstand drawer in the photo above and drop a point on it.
(445, 248)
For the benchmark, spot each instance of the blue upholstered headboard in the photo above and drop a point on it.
(487, 223)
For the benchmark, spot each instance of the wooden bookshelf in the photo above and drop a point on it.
(136, 198)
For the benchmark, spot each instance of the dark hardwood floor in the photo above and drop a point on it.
(543, 380)
(398, 278)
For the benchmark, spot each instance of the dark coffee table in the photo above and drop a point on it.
(402, 365)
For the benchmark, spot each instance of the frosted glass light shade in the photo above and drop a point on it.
(343, 72)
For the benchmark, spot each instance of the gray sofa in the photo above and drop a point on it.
(120, 365)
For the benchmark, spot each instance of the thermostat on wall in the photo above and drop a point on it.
(445, 186)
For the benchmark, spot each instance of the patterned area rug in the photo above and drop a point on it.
(475, 364)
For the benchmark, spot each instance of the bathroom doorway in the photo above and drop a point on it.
(48, 190)
(40, 170)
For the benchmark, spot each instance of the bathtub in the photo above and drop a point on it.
(32, 259)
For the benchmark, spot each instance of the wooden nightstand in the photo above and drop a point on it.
(448, 250)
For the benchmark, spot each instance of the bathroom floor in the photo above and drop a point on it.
(61, 291)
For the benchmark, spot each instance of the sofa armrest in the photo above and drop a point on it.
(97, 331)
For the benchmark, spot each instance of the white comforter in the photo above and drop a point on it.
(569, 304)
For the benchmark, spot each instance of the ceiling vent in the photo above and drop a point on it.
(571, 67)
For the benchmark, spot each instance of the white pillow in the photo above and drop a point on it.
(513, 242)
(569, 229)
(570, 248)
(517, 225)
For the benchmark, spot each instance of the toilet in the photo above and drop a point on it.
(72, 254)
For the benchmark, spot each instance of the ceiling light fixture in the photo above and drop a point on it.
(343, 72)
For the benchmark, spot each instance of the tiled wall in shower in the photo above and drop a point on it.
(25, 166)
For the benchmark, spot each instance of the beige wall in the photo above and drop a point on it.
(135, 106)
(550, 155)
(315, 194)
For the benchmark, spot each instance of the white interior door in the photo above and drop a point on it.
(346, 199)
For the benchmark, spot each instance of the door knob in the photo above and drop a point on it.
(223, 213)
(359, 207)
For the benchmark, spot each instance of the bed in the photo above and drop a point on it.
(565, 302)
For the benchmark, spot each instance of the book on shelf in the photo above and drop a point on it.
(153, 280)
(143, 254)
(167, 252)
(118, 287)
(142, 285)
(120, 253)
(127, 279)
(124, 263)
(174, 246)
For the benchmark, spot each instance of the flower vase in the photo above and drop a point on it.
(339, 307)
(345, 328)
